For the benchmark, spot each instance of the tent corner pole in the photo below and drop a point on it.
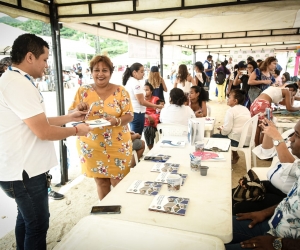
(59, 87)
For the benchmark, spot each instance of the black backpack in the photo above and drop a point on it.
(220, 77)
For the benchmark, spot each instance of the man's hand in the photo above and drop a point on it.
(256, 217)
(77, 116)
(259, 243)
(83, 129)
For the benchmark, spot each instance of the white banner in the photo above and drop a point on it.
(142, 48)
(242, 55)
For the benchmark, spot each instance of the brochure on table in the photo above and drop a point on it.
(210, 156)
(163, 176)
(144, 187)
(218, 144)
(172, 144)
(165, 167)
(169, 204)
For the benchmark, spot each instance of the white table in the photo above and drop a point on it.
(281, 125)
(209, 211)
(101, 232)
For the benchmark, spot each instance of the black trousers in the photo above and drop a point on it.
(273, 196)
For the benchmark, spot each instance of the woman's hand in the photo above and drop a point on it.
(113, 121)
(269, 129)
(77, 116)
(198, 113)
(267, 82)
(83, 106)
(151, 120)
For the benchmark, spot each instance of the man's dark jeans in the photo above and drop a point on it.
(242, 232)
(31, 196)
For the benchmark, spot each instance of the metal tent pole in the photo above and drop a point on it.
(58, 79)
(161, 56)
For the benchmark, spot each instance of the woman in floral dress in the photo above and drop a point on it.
(105, 154)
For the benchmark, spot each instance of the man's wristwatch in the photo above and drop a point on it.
(277, 142)
(277, 244)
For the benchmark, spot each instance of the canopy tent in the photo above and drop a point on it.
(210, 25)
(7, 40)
(199, 25)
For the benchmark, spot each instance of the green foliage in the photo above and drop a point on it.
(108, 46)
(189, 62)
(187, 52)
(8, 20)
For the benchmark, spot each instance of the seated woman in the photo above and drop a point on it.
(151, 116)
(235, 118)
(176, 112)
(269, 96)
(280, 177)
(198, 97)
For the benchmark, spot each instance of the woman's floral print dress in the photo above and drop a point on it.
(106, 152)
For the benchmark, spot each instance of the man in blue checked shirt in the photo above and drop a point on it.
(278, 226)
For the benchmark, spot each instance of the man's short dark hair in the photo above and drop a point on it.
(209, 56)
(27, 43)
(250, 58)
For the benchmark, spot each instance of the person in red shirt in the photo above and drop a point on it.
(151, 116)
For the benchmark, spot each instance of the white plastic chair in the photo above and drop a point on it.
(252, 123)
(170, 129)
(208, 108)
(262, 171)
(135, 156)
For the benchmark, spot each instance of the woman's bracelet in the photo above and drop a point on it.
(76, 130)
(117, 121)
(120, 122)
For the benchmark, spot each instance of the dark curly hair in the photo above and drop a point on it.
(27, 43)
(203, 94)
(177, 96)
(239, 94)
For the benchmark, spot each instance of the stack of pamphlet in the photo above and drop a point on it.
(169, 204)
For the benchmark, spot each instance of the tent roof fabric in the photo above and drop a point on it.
(196, 23)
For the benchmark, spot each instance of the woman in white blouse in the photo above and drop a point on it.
(176, 112)
(235, 118)
(184, 80)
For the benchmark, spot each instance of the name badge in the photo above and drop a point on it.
(277, 218)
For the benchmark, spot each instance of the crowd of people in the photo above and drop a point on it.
(133, 110)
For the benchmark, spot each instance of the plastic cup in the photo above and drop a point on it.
(203, 170)
(195, 164)
(199, 146)
(174, 182)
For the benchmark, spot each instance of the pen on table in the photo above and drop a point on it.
(90, 109)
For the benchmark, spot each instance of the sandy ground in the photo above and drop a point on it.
(80, 192)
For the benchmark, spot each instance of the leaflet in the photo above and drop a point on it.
(169, 204)
(144, 187)
(165, 167)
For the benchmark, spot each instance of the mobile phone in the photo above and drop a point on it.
(244, 72)
(153, 158)
(268, 113)
(115, 209)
